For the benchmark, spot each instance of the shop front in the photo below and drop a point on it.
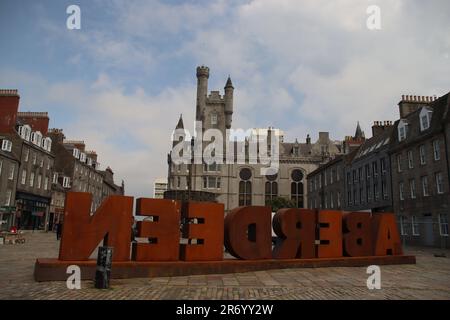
(56, 216)
(7, 216)
(31, 211)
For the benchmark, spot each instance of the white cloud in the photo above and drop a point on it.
(130, 132)
(302, 66)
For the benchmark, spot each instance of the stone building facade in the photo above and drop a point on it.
(9, 167)
(109, 188)
(38, 166)
(368, 174)
(74, 170)
(159, 187)
(33, 149)
(326, 185)
(403, 168)
(56, 206)
(420, 171)
(244, 184)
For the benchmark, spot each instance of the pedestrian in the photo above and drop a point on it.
(58, 230)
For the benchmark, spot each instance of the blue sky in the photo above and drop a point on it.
(121, 81)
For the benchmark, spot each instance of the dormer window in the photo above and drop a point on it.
(83, 157)
(36, 138)
(76, 153)
(295, 151)
(6, 145)
(89, 161)
(47, 144)
(25, 132)
(402, 130)
(425, 118)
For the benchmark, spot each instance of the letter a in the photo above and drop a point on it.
(74, 20)
(374, 20)
(74, 280)
(374, 280)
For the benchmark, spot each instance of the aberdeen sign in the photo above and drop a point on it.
(307, 238)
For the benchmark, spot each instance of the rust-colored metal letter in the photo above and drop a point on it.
(297, 230)
(208, 230)
(330, 234)
(358, 236)
(83, 232)
(387, 238)
(163, 232)
(248, 232)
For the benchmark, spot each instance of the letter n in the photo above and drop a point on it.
(248, 232)
(163, 233)
(82, 232)
(387, 238)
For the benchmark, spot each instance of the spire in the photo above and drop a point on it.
(359, 134)
(180, 124)
(229, 83)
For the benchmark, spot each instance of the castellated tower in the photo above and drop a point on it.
(213, 109)
(228, 103)
(202, 91)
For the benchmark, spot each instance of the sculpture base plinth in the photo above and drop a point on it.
(55, 270)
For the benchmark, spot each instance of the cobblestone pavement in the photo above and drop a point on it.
(428, 279)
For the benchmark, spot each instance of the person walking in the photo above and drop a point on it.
(58, 230)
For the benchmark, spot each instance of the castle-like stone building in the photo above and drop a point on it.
(243, 184)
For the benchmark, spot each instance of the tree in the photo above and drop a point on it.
(280, 203)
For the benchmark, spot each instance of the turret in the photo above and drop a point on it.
(228, 103)
(202, 90)
(179, 126)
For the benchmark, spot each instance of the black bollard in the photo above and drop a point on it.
(104, 263)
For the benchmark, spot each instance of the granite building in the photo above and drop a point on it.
(159, 187)
(243, 184)
(326, 185)
(368, 174)
(9, 166)
(32, 147)
(420, 170)
(74, 169)
(109, 187)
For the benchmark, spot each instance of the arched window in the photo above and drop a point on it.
(271, 188)
(245, 187)
(297, 188)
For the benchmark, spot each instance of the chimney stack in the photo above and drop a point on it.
(410, 103)
(379, 127)
(9, 105)
(56, 135)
